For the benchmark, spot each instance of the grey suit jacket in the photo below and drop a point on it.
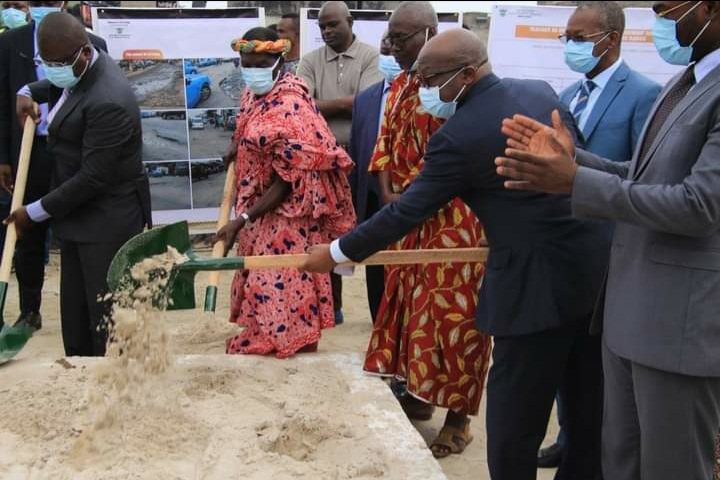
(662, 301)
(100, 191)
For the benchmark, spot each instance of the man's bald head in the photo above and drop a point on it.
(454, 47)
(335, 8)
(420, 14)
(61, 28)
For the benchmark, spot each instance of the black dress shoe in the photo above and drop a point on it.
(550, 457)
(32, 320)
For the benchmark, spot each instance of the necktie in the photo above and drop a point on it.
(673, 97)
(585, 90)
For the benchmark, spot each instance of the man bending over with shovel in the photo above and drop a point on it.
(99, 195)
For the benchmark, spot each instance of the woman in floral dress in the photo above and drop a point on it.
(292, 193)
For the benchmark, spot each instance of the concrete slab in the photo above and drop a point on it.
(314, 416)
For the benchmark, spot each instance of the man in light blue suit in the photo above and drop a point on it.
(610, 105)
(612, 102)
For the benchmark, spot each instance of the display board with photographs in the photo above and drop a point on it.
(188, 84)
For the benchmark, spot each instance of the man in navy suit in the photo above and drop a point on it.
(610, 106)
(367, 114)
(543, 272)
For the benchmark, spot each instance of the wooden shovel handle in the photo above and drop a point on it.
(385, 257)
(223, 219)
(17, 197)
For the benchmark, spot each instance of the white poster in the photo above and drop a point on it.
(188, 83)
(368, 26)
(524, 43)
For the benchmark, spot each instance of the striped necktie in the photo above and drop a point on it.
(586, 89)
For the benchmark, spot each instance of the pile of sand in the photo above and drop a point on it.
(142, 413)
(213, 417)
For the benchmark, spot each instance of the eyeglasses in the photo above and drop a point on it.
(400, 40)
(69, 61)
(662, 14)
(424, 79)
(564, 38)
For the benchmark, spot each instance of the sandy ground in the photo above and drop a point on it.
(189, 339)
(209, 142)
(221, 75)
(164, 139)
(170, 192)
(207, 192)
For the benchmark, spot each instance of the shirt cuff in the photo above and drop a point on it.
(337, 255)
(36, 212)
(25, 91)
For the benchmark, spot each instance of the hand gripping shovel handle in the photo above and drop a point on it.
(219, 247)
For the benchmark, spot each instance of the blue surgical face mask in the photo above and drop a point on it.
(434, 105)
(13, 18)
(64, 76)
(666, 42)
(38, 13)
(389, 67)
(260, 80)
(579, 55)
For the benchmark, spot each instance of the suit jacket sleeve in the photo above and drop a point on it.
(108, 129)
(590, 160)
(6, 104)
(446, 175)
(642, 111)
(689, 208)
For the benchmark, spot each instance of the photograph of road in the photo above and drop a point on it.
(164, 135)
(169, 185)
(210, 132)
(213, 82)
(208, 177)
(156, 83)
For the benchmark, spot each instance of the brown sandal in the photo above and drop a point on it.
(453, 439)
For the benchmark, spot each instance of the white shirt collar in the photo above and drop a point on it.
(707, 65)
(602, 78)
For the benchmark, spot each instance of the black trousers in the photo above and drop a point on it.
(374, 274)
(83, 271)
(526, 373)
(30, 249)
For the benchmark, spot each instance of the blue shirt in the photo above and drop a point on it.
(600, 81)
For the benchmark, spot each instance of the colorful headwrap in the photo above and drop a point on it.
(241, 46)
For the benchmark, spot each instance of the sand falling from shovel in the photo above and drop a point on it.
(137, 350)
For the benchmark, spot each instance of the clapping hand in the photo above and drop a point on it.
(538, 157)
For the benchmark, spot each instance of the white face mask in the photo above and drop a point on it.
(434, 105)
(260, 79)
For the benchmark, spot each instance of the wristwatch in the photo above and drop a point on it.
(245, 217)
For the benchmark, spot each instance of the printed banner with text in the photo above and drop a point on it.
(524, 43)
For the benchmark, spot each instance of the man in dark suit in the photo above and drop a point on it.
(610, 105)
(368, 110)
(18, 67)
(543, 271)
(100, 194)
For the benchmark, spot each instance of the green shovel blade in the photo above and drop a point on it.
(180, 292)
(12, 339)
